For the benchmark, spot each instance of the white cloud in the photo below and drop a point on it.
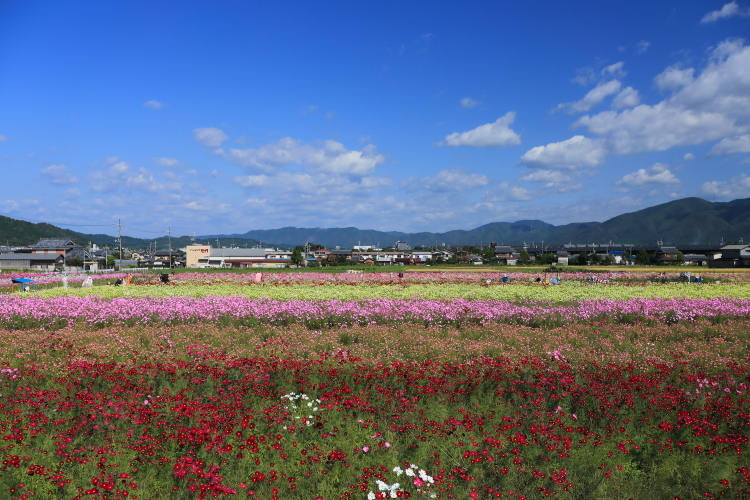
(505, 191)
(167, 162)
(308, 110)
(728, 10)
(493, 135)
(330, 115)
(575, 153)
(737, 187)
(72, 193)
(627, 98)
(615, 70)
(330, 156)
(251, 180)
(658, 173)
(673, 78)
(455, 179)
(9, 206)
(688, 156)
(364, 139)
(58, 174)
(714, 105)
(468, 103)
(3, 138)
(562, 182)
(209, 136)
(729, 145)
(642, 46)
(152, 104)
(592, 98)
(121, 176)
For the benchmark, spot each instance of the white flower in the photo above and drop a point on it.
(398, 470)
(371, 496)
(410, 472)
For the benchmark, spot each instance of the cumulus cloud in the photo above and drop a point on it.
(58, 174)
(153, 104)
(561, 182)
(489, 135)
(674, 78)
(9, 206)
(658, 173)
(209, 136)
(642, 46)
(688, 156)
(713, 105)
(575, 153)
(167, 162)
(729, 145)
(505, 191)
(330, 156)
(122, 175)
(468, 103)
(455, 179)
(615, 70)
(728, 10)
(737, 187)
(592, 98)
(627, 98)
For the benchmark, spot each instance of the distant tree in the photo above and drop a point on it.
(74, 262)
(642, 258)
(488, 254)
(608, 260)
(582, 260)
(525, 257)
(680, 257)
(596, 258)
(546, 258)
(297, 258)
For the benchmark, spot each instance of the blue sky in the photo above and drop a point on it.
(221, 117)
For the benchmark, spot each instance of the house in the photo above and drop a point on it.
(667, 255)
(64, 246)
(321, 253)
(401, 246)
(562, 257)
(335, 255)
(32, 261)
(696, 260)
(737, 255)
(506, 255)
(165, 257)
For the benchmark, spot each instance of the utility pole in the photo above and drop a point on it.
(169, 234)
(119, 237)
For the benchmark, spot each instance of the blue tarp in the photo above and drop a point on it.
(22, 280)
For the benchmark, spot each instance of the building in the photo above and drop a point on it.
(204, 256)
(32, 261)
(401, 246)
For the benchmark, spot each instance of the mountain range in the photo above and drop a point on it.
(684, 221)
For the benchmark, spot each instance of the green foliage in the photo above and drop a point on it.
(642, 258)
(297, 257)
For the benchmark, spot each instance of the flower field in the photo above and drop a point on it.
(312, 386)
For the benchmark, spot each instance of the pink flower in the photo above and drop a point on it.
(387, 444)
(365, 449)
(418, 482)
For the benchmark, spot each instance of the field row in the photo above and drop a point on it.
(279, 413)
(24, 313)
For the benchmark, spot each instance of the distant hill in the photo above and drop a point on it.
(685, 221)
(14, 232)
